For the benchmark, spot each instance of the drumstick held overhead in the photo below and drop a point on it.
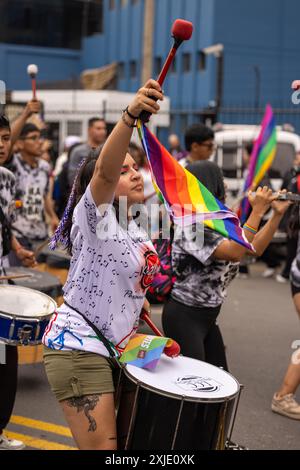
(182, 30)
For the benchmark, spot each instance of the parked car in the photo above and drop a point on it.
(230, 144)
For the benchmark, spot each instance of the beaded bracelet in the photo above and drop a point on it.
(250, 229)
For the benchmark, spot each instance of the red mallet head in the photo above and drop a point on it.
(172, 349)
(182, 30)
(296, 85)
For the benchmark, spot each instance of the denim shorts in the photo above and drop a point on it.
(77, 373)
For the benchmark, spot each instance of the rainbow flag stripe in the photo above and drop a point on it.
(144, 351)
(262, 157)
(186, 199)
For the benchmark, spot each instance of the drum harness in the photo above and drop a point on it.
(113, 358)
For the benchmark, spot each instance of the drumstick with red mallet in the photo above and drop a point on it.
(174, 349)
(182, 30)
(32, 71)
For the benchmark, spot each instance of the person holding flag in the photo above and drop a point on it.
(113, 263)
(205, 255)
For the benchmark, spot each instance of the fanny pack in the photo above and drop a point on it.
(112, 351)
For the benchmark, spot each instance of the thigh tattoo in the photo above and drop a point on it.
(86, 404)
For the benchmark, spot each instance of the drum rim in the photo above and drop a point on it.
(14, 315)
(185, 397)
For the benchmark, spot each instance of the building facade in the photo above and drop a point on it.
(260, 40)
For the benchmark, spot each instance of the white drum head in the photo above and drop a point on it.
(183, 376)
(25, 302)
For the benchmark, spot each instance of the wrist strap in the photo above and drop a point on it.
(129, 114)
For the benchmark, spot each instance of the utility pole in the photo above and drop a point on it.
(148, 40)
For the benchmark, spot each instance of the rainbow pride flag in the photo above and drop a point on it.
(262, 157)
(144, 351)
(186, 199)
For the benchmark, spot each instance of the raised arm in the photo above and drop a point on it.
(32, 107)
(109, 164)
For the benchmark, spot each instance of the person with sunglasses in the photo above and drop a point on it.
(32, 189)
(199, 143)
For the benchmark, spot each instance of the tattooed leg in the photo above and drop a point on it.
(99, 411)
(86, 404)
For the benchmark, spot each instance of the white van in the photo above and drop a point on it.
(230, 143)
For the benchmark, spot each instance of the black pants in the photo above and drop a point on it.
(291, 248)
(196, 332)
(8, 385)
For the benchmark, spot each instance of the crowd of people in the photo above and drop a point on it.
(62, 199)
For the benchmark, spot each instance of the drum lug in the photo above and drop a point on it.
(11, 329)
(24, 334)
(37, 331)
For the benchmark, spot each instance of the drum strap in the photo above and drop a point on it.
(113, 358)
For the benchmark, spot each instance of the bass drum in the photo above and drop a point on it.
(184, 404)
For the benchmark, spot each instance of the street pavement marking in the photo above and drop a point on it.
(37, 443)
(42, 425)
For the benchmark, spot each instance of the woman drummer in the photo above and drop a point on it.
(111, 267)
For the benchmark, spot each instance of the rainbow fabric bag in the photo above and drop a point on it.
(144, 351)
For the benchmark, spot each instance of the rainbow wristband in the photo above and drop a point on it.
(250, 229)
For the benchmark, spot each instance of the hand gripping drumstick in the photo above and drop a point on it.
(174, 349)
(32, 71)
(182, 30)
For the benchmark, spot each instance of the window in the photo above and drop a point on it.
(133, 69)
(121, 70)
(201, 61)
(186, 62)
(157, 65)
(74, 128)
(47, 23)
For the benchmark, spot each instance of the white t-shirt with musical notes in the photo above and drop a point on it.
(32, 186)
(110, 271)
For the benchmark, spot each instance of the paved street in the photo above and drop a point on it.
(259, 325)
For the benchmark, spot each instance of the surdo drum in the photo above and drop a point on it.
(183, 404)
(24, 315)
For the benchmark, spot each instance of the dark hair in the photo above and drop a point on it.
(27, 129)
(81, 182)
(197, 133)
(92, 121)
(4, 122)
(137, 153)
(209, 174)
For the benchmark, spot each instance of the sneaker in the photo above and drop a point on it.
(229, 445)
(10, 444)
(281, 279)
(269, 272)
(286, 406)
